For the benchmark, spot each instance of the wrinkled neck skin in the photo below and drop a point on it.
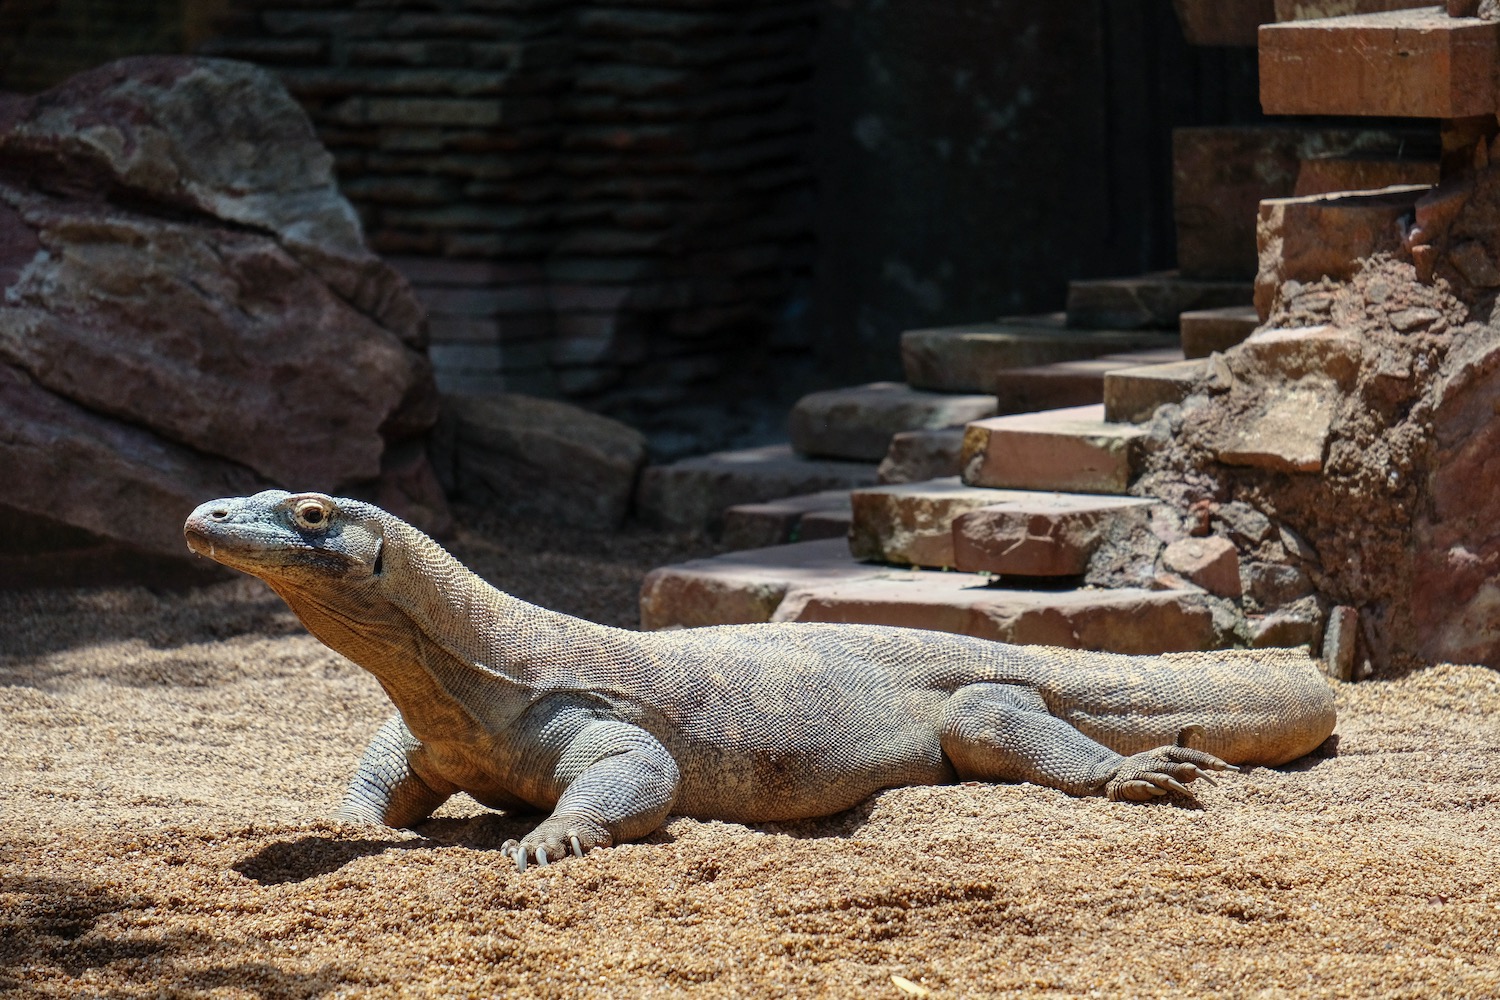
(454, 654)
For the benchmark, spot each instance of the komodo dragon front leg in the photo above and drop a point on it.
(1005, 732)
(386, 787)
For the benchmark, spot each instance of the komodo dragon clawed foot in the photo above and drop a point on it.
(1147, 775)
(554, 838)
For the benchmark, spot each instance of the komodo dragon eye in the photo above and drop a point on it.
(310, 513)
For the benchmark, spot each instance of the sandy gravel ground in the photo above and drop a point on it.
(167, 759)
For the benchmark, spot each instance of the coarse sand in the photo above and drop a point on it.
(167, 761)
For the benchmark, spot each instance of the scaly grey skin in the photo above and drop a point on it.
(612, 730)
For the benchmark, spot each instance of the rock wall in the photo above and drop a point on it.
(607, 201)
(188, 310)
(1350, 449)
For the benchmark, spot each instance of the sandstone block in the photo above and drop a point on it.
(1132, 395)
(1150, 301)
(1066, 383)
(1406, 63)
(961, 358)
(916, 456)
(912, 524)
(1304, 10)
(858, 423)
(1291, 355)
(742, 587)
(1332, 175)
(1071, 450)
(1341, 643)
(695, 492)
(540, 456)
(1212, 563)
(1297, 624)
(1306, 239)
(1122, 621)
(1287, 431)
(777, 522)
(1205, 331)
(831, 523)
(1040, 534)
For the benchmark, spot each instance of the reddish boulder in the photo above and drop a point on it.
(180, 274)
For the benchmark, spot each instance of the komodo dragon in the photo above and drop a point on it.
(612, 730)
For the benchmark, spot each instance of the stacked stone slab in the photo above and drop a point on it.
(600, 200)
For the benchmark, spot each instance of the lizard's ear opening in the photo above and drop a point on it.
(379, 566)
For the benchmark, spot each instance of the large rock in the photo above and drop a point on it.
(540, 456)
(182, 278)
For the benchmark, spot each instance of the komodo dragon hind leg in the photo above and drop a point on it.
(384, 788)
(1004, 732)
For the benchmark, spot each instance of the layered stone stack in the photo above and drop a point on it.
(607, 201)
(1322, 473)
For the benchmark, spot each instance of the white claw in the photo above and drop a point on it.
(521, 859)
(541, 857)
(577, 848)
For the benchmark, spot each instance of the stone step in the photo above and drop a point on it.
(743, 587)
(1148, 301)
(1418, 63)
(963, 358)
(916, 456)
(911, 524)
(1042, 534)
(1123, 621)
(804, 518)
(1132, 395)
(1205, 331)
(1336, 174)
(693, 493)
(1070, 451)
(1067, 383)
(858, 422)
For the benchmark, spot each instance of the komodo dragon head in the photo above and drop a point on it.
(293, 539)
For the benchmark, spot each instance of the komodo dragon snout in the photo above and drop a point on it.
(612, 730)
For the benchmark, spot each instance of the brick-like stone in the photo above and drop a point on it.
(1123, 621)
(962, 358)
(1305, 239)
(1148, 301)
(1297, 624)
(1205, 331)
(1341, 643)
(1336, 174)
(911, 524)
(743, 587)
(1407, 63)
(777, 522)
(1223, 22)
(1213, 563)
(1290, 355)
(1287, 432)
(1041, 534)
(1132, 395)
(858, 422)
(916, 456)
(1066, 383)
(1071, 450)
(695, 492)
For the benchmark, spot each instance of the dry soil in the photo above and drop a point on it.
(166, 761)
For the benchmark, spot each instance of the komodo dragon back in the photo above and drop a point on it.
(611, 730)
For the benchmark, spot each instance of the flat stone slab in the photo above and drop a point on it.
(694, 492)
(1148, 301)
(1121, 621)
(778, 522)
(1205, 331)
(1067, 383)
(1132, 395)
(1069, 451)
(744, 587)
(911, 524)
(858, 423)
(962, 358)
(916, 456)
(1404, 64)
(1041, 534)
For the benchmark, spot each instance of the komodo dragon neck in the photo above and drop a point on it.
(453, 653)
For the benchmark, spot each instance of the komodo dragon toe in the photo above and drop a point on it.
(553, 840)
(1154, 773)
